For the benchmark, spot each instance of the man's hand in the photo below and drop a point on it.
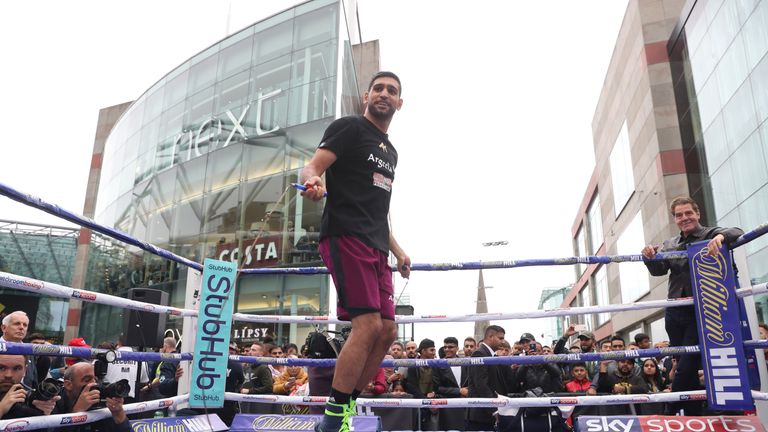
(88, 397)
(179, 372)
(115, 406)
(15, 395)
(650, 251)
(394, 377)
(404, 265)
(46, 406)
(464, 392)
(315, 188)
(591, 391)
(570, 331)
(714, 245)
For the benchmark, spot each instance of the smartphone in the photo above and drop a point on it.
(532, 346)
(580, 327)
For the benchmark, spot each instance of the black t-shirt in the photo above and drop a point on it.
(359, 183)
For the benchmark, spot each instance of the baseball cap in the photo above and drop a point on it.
(586, 334)
(527, 336)
(426, 343)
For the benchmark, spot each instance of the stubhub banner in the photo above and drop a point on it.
(214, 321)
(669, 424)
(717, 318)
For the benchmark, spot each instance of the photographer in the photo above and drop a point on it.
(81, 394)
(15, 400)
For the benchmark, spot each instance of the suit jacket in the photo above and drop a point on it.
(445, 385)
(444, 381)
(486, 382)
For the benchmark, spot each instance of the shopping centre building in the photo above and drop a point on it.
(682, 112)
(195, 164)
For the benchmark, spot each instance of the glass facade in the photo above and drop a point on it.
(720, 73)
(201, 165)
(39, 252)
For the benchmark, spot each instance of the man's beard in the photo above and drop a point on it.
(411, 355)
(381, 115)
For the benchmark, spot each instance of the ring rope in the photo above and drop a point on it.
(57, 421)
(11, 348)
(55, 210)
(60, 291)
(12, 281)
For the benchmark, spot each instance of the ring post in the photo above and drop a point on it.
(214, 322)
(719, 326)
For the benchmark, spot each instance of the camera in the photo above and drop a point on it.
(532, 346)
(45, 391)
(119, 389)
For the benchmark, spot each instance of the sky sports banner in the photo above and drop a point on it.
(214, 321)
(717, 315)
(669, 424)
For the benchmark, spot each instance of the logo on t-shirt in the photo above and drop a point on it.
(383, 147)
(383, 182)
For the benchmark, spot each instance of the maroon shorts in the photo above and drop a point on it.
(362, 277)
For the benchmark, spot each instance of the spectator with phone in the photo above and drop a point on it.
(289, 379)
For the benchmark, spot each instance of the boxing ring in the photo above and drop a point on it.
(503, 403)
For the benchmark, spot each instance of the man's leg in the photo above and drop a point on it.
(361, 347)
(362, 343)
(377, 353)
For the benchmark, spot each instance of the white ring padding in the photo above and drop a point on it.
(9, 280)
(61, 421)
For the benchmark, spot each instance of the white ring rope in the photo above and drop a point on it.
(12, 281)
(58, 421)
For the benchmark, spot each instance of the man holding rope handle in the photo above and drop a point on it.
(359, 163)
(680, 322)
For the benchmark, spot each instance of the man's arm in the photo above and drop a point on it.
(723, 236)
(560, 345)
(478, 386)
(655, 268)
(442, 384)
(403, 260)
(264, 376)
(312, 172)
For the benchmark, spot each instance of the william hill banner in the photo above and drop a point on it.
(214, 321)
(717, 316)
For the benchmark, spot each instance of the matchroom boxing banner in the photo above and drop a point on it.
(717, 316)
(214, 322)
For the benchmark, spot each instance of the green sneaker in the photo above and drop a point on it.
(336, 418)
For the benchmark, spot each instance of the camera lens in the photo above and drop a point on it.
(46, 390)
(117, 389)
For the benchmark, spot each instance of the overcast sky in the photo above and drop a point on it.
(494, 136)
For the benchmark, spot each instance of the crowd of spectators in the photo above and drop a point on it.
(80, 382)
